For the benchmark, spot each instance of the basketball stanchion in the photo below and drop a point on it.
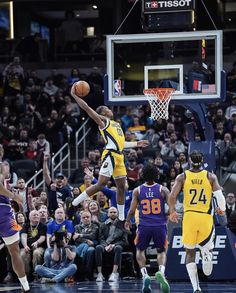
(159, 99)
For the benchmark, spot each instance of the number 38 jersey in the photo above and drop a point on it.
(197, 192)
(151, 205)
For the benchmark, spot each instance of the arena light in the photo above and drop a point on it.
(11, 20)
(95, 7)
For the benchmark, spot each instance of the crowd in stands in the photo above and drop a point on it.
(37, 117)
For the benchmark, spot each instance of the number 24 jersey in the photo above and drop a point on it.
(197, 191)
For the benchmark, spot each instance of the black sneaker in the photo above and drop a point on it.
(23, 291)
(197, 291)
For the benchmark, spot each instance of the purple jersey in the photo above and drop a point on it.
(151, 206)
(8, 224)
(4, 199)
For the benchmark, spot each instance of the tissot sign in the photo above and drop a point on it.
(167, 5)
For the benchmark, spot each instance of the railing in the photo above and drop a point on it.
(226, 173)
(34, 180)
(62, 158)
(82, 139)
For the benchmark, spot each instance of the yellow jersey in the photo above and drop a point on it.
(113, 135)
(197, 191)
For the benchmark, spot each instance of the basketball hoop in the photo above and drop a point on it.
(159, 99)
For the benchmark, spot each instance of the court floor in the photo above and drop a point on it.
(120, 287)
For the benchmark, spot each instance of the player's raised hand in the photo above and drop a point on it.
(142, 143)
(174, 217)
(72, 92)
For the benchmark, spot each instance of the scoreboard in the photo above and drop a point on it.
(168, 14)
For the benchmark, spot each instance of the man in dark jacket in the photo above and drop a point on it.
(112, 238)
(86, 238)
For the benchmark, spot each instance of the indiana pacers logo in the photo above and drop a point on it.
(105, 165)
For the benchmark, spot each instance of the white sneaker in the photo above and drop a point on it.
(100, 278)
(207, 265)
(114, 277)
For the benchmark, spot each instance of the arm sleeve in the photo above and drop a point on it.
(130, 144)
(219, 199)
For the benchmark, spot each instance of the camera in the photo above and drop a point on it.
(59, 237)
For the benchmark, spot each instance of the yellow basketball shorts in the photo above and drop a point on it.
(198, 229)
(112, 165)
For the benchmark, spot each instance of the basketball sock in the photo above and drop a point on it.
(143, 271)
(24, 283)
(162, 269)
(192, 272)
(121, 211)
(80, 198)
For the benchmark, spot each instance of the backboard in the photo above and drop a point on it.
(190, 62)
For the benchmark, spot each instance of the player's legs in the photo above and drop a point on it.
(12, 244)
(192, 268)
(206, 247)
(141, 259)
(120, 196)
(142, 241)
(119, 175)
(189, 239)
(160, 242)
(102, 182)
(105, 174)
(161, 260)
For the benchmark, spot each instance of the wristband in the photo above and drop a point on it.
(130, 144)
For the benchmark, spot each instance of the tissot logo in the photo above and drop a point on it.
(167, 5)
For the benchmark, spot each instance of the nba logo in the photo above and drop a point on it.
(117, 87)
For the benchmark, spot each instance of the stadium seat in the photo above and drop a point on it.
(25, 168)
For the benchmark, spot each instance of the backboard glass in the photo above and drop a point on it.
(190, 62)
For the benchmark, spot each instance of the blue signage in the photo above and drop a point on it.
(224, 256)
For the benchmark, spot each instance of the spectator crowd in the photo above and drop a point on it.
(60, 242)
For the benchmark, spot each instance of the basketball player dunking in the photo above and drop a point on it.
(112, 156)
(150, 199)
(9, 229)
(199, 188)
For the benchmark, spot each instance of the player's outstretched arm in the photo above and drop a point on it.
(177, 187)
(92, 114)
(136, 144)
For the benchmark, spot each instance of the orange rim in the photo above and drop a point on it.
(161, 93)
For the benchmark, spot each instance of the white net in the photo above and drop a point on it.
(159, 99)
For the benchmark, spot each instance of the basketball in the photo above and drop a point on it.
(82, 88)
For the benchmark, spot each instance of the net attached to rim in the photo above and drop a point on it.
(159, 99)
